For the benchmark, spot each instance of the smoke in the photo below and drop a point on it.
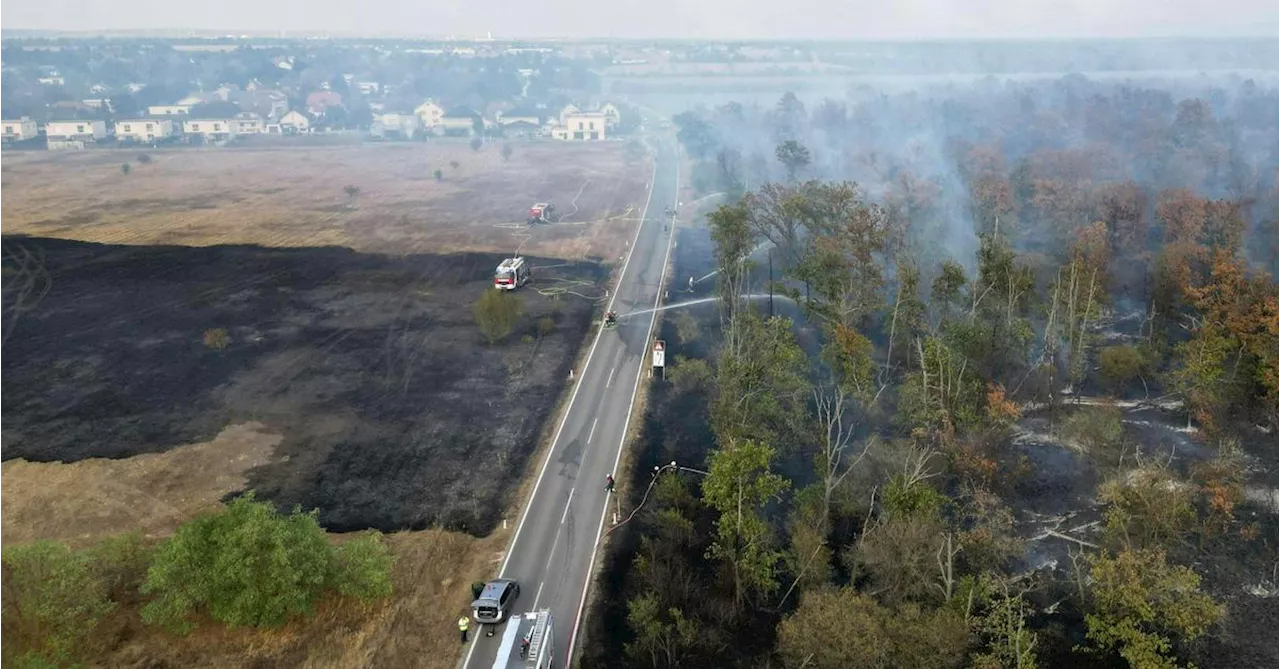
(925, 150)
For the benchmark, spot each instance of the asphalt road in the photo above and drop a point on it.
(556, 542)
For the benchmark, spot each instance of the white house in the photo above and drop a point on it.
(19, 130)
(403, 126)
(84, 131)
(611, 113)
(459, 121)
(210, 129)
(582, 126)
(367, 87)
(566, 112)
(247, 123)
(144, 129)
(430, 113)
(295, 123)
(168, 110)
(520, 115)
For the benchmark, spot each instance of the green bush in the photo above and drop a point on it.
(246, 565)
(121, 563)
(361, 568)
(1119, 366)
(497, 313)
(52, 601)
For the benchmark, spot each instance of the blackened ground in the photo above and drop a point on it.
(395, 412)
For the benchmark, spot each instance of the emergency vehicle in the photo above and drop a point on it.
(511, 274)
(527, 643)
(540, 212)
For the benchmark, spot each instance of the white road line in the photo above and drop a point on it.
(524, 515)
(593, 430)
(604, 513)
(610, 381)
(566, 509)
(538, 596)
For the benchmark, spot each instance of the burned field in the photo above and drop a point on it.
(393, 410)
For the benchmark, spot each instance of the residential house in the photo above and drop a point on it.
(247, 123)
(99, 89)
(52, 81)
(520, 115)
(295, 123)
(611, 113)
(144, 129)
(20, 130)
(430, 113)
(266, 103)
(460, 121)
(103, 104)
(80, 131)
(397, 126)
(209, 130)
(582, 126)
(566, 112)
(521, 129)
(168, 110)
(368, 87)
(320, 100)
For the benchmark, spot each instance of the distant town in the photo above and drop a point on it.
(83, 94)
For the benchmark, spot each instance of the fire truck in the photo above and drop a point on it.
(540, 213)
(527, 642)
(511, 274)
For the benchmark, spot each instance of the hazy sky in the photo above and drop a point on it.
(887, 19)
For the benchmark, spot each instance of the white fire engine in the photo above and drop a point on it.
(527, 642)
(511, 274)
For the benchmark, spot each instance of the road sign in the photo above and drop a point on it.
(659, 353)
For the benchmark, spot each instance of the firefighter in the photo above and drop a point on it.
(524, 646)
(463, 623)
(608, 483)
(610, 318)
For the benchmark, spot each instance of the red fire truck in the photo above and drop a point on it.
(511, 274)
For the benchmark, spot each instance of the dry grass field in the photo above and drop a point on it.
(286, 195)
(347, 380)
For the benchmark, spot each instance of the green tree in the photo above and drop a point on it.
(52, 601)
(246, 565)
(1002, 626)
(1099, 432)
(842, 629)
(664, 638)
(1119, 366)
(497, 313)
(1140, 604)
(1148, 508)
(738, 487)
(794, 156)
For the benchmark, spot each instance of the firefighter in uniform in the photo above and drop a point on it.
(463, 623)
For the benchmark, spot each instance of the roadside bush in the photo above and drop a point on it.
(246, 565)
(144, 158)
(120, 563)
(126, 168)
(1099, 431)
(455, 164)
(52, 601)
(497, 313)
(506, 152)
(361, 568)
(476, 144)
(439, 175)
(546, 325)
(216, 338)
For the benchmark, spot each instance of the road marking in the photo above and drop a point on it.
(538, 596)
(593, 430)
(566, 507)
(610, 381)
(524, 515)
(604, 513)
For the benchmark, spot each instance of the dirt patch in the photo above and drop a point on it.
(293, 196)
(152, 493)
(393, 412)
